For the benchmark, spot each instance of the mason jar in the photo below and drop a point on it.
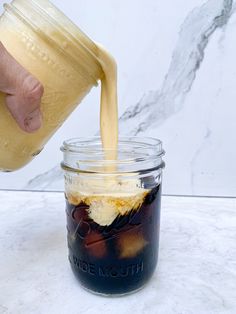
(113, 212)
(60, 56)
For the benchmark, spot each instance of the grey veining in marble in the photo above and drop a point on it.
(196, 272)
(52, 179)
(157, 106)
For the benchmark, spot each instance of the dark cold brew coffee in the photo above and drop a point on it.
(116, 257)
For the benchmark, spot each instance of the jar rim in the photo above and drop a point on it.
(77, 144)
(135, 154)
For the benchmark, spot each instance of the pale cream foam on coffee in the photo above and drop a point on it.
(106, 199)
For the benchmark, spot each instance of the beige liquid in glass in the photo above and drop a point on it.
(109, 105)
(64, 86)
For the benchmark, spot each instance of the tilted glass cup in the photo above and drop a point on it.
(44, 41)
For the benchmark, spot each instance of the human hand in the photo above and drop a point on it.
(23, 92)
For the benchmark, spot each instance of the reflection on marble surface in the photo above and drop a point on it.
(182, 80)
(196, 272)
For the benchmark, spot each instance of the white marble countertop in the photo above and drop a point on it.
(196, 272)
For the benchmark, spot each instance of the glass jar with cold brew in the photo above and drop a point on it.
(113, 212)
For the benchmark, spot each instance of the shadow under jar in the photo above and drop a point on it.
(113, 212)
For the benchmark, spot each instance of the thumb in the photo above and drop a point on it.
(23, 92)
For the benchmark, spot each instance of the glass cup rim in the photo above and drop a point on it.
(80, 144)
(148, 149)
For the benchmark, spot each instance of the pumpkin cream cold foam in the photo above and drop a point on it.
(107, 199)
(67, 63)
(115, 198)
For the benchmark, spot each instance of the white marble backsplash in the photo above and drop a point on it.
(177, 77)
